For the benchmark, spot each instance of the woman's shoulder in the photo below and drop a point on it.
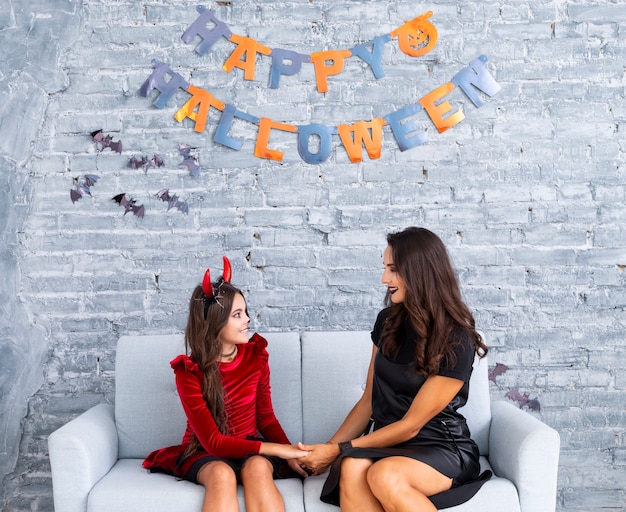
(379, 324)
(462, 336)
(381, 318)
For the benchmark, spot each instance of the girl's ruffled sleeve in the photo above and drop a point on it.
(267, 423)
(189, 385)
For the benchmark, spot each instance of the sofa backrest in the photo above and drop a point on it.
(334, 371)
(477, 410)
(316, 378)
(148, 413)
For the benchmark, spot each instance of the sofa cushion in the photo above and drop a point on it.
(128, 486)
(148, 413)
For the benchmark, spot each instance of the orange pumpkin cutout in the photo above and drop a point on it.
(416, 37)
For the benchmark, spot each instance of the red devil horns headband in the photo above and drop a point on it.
(210, 294)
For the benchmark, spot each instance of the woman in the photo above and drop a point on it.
(419, 456)
(224, 388)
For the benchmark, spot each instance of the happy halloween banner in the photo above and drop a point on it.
(415, 38)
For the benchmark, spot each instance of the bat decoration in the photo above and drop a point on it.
(106, 141)
(144, 163)
(499, 369)
(82, 186)
(172, 201)
(189, 159)
(524, 400)
(130, 205)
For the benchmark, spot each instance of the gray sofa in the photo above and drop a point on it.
(316, 377)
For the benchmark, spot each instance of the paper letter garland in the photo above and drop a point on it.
(415, 38)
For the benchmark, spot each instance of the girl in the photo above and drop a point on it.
(224, 387)
(420, 456)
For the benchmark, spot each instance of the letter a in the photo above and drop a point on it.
(199, 28)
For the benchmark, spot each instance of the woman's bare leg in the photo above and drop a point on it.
(402, 484)
(220, 487)
(259, 488)
(354, 491)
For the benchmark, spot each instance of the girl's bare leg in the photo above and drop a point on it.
(220, 487)
(402, 484)
(259, 488)
(355, 494)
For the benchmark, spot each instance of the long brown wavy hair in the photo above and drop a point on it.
(432, 304)
(202, 341)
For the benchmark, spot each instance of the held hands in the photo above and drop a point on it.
(318, 458)
(290, 452)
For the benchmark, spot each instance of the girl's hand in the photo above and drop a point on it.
(295, 465)
(284, 451)
(321, 456)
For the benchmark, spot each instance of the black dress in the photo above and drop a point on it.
(444, 443)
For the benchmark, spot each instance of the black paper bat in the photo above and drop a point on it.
(106, 141)
(144, 163)
(172, 201)
(190, 160)
(137, 163)
(524, 400)
(82, 186)
(499, 369)
(130, 205)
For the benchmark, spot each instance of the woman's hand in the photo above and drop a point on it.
(319, 456)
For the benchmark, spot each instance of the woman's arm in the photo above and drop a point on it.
(434, 395)
(357, 419)
(322, 455)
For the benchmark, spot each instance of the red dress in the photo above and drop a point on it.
(248, 406)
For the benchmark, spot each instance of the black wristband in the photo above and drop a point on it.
(345, 445)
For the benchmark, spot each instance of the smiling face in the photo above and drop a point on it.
(391, 279)
(236, 329)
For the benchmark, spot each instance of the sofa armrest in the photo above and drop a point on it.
(81, 452)
(526, 451)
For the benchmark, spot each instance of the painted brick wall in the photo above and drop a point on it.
(528, 192)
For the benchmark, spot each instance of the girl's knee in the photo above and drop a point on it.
(216, 473)
(257, 467)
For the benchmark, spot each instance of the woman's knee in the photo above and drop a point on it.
(354, 469)
(383, 477)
